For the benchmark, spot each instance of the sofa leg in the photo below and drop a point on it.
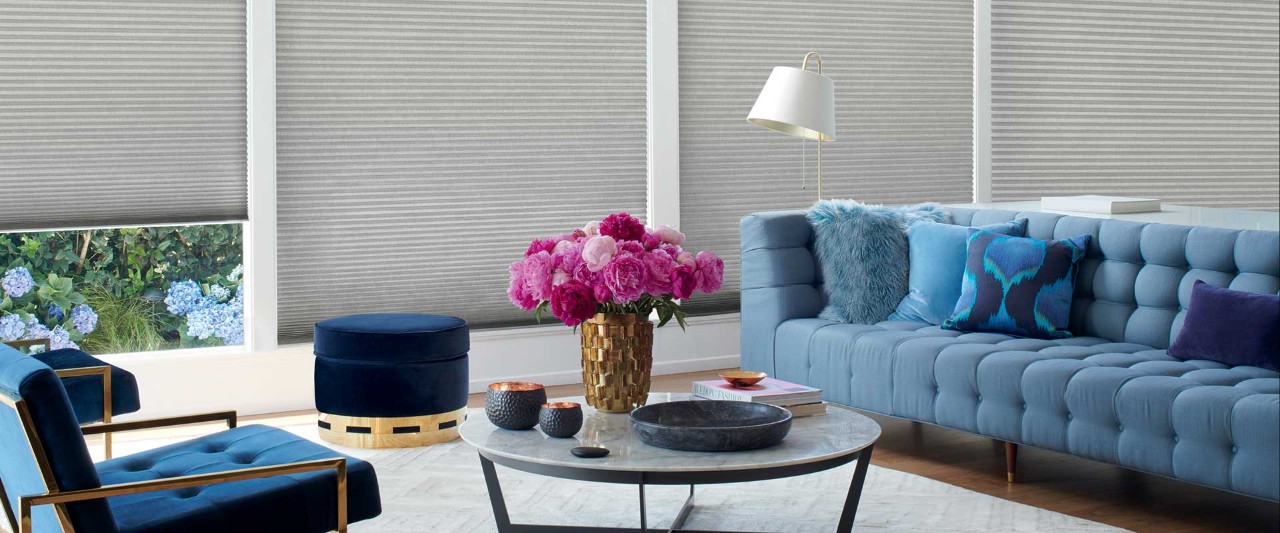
(1011, 460)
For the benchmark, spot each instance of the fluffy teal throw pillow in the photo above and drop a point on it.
(937, 267)
(863, 253)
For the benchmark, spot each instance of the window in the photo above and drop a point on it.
(904, 111)
(421, 145)
(124, 290)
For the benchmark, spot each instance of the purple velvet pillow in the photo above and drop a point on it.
(1230, 327)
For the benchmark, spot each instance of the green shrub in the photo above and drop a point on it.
(125, 324)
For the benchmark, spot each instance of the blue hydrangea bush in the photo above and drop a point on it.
(36, 306)
(213, 309)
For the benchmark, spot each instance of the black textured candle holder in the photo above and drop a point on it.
(560, 419)
(514, 404)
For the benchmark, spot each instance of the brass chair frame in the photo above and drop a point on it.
(21, 521)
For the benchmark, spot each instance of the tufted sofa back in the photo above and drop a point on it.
(26, 378)
(1134, 284)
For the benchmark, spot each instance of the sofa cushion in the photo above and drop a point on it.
(392, 337)
(295, 503)
(1113, 401)
(937, 268)
(1018, 285)
(1233, 327)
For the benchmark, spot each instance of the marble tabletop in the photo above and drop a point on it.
(814, 438)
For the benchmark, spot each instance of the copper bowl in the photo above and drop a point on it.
(742, 379)
(514, 404)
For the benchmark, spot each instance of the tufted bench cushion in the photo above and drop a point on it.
(244, 506)
(1110, 394)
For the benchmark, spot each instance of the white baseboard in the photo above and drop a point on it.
(189, 381)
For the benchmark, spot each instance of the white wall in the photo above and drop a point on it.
(180, 382)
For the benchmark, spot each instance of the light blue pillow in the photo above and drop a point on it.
(938, 254)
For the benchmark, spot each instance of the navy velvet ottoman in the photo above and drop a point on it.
(391, 380)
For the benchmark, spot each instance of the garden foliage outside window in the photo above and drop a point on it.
(124, 290)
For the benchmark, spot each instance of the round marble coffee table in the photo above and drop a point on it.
(815, 444)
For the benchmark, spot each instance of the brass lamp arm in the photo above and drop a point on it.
(337, 464)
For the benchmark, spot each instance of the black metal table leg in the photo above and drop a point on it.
(855, 492)
(684, 512)
(500, 515)
(644, 523)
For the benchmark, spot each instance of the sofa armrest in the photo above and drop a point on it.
(780, 281)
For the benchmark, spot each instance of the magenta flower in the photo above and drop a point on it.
(625, 276)
(622, 226)
(651, 240)
(518, 291)
(659, 266)
(598, 251)
(630, 247)
(540, 245)
(711, 269)
(539, 270)
(572, 302)
(603, 294)
(684, 280)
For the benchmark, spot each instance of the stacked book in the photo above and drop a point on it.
(799, 399)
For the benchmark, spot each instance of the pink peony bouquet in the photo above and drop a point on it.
(615, 265)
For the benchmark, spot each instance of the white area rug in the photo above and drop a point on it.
(441, 489)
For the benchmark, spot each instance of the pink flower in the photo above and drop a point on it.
(625, 276)
(686, 258)
(598, 251)
(670, 235)
(559, 277)
(711, 269)
(684, 280)
(622, 226)
(538, 275)
(540, 245)
(659, 266)
(572, 302)
(651, 240)
(518, 291)
(603, 294)
(592, 228)
(561, 246)
(671, 249)
(630, 247)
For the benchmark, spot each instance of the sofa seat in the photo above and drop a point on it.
(1124, 403)
(244, 506)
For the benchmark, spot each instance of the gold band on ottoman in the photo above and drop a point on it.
(391, 432)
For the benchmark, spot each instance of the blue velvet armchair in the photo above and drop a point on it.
(245, 479)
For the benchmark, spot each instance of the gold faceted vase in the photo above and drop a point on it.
(617, 358)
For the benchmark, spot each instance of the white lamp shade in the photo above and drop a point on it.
(797, 102)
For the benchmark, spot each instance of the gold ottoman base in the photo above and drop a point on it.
(389, 432)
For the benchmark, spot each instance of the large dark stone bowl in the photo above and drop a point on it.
(711, 425)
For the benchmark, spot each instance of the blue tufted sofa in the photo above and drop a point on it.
(1110, 394)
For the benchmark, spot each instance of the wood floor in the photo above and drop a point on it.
(1062, 483)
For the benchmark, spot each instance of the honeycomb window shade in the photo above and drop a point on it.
(122, 112)
(423, 144)
(1171, 99)
(903, 72)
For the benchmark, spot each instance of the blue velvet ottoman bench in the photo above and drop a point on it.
(391, 380)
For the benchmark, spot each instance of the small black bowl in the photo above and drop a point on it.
(711, 425)
(560, 419)
(514, 404)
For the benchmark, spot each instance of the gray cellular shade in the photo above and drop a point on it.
(121, 112)
(1177, 100)
(423, 144)
(904, 111)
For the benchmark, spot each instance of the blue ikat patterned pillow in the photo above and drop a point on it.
(1016, 285)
